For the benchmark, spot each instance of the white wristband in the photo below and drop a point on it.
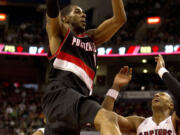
(112, 93)
(41, 129)
(162, 71)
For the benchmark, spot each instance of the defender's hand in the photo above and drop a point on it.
(122, 78)
(160, 63)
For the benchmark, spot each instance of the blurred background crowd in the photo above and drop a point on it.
(21, 111)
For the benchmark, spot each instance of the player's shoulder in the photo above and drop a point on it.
(137, 120)
(90, 32)
(176, 122)
(174, 117)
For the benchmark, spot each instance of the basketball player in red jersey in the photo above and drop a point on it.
(163, 121)
(72, 54)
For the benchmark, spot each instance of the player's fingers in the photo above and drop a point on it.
(160, 56)
(156, 58)
(130, 71)
(121, 70)
(126, 69)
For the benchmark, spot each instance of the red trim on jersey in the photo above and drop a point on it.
(84, 35)
(62, 43)
(78, 62)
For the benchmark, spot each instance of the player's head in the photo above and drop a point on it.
(74, 16)
(163, 101)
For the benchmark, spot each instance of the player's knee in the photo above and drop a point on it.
(105, 118)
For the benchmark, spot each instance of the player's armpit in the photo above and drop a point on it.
(52, 26)
(129, 124)
(56, 31)
(55, 26)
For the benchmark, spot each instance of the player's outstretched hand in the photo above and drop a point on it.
(122, 78)
(160, 63)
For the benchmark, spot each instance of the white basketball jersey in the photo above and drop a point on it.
(149, 127)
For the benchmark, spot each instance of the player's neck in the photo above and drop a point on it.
(159, 115)
(76, 31)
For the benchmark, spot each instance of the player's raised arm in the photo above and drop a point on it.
(109, 27)
(54, 26)
(170, 81)
(121, 79)
(52, 17)
(126, 124)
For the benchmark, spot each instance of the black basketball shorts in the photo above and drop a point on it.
(67, 111)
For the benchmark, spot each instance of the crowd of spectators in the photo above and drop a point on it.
(28, 33)
(25, 26)
(136, 30)
(20, 109)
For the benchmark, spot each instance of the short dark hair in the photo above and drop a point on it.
(173, 101)
(172, 97)
(66, 10)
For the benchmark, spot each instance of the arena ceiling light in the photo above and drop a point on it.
(145, 71)
(144, 60)
(153, 20)
(3, 17)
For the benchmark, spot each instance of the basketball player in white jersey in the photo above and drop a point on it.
(165, 121)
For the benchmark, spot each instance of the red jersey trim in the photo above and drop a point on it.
(78, 62)
(84, 35)
(54, 55)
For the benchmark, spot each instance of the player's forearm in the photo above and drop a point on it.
(110, 98)
(118, 10)
(174, 86)
(52, 8)
(108, 103)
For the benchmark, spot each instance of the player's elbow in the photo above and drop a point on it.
(124, 19)
(120, 20)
